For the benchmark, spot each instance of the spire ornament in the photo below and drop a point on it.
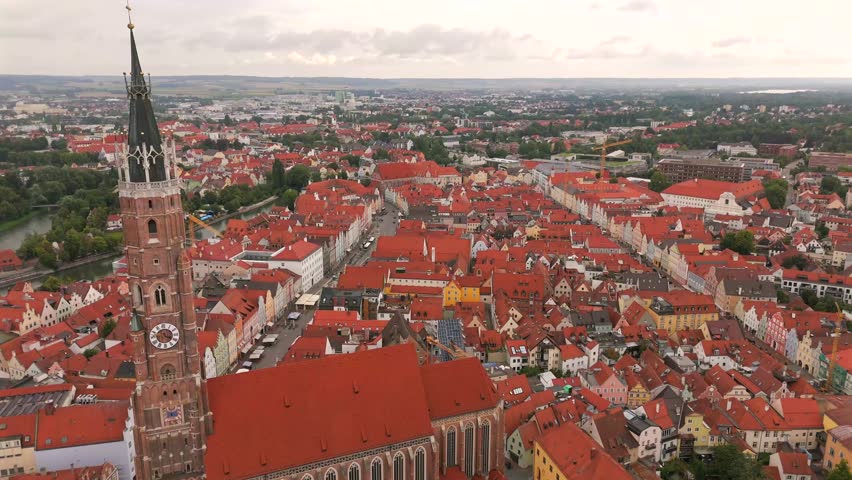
(129, 20)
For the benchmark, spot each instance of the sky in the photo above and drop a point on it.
(432, 39)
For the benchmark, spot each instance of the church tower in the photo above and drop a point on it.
(170, 400)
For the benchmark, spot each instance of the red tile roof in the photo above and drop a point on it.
(366, 400)
(578, 456)
(79, 425)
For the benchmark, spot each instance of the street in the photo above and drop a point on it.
(383, 225)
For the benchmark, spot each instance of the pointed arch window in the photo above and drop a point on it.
(376, 469)
(451, 447)
(469, 463)
(485, 446)
(420, 463)
(331, 474)
(160, 295)
(398, 467)
(354, 472)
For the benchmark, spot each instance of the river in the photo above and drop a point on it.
(41, 223)
(38, 223)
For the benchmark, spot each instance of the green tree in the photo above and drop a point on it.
(47, 257)
(343, 175)
(366, 181)
(809, 297)
(89, 353)
(279, 177)
(380, 154)
(840, 471)
(227, 121)
(776, 192)
(729, 463)
(51, 284)
(831, 184)
(674, 469)
(298, 176)
(741, 242)
(72, 247)
(821, 230)
(107, 327)
(782, 296)
(289, 198)
(659, 181)
(797, 261)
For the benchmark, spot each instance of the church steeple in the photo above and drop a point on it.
(146, 162)
(171, 413)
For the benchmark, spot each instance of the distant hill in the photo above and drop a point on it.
(212, 85)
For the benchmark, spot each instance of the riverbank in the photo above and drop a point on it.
(12, 224)
(40, 272)
(243, 210)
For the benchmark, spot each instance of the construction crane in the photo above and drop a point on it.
(603, 148)
(835, 344)
(453, 353)
(193, 221)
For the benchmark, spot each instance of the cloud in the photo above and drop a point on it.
(638, 6)
(614, 40)
(424, 42)
(731, 41)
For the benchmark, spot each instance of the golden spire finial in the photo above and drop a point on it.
(129, 20)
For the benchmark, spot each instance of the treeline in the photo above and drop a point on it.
(433, 148)
(79, 226)
(42, 159)
(43, 186)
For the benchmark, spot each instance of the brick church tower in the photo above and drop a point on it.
(170, 400)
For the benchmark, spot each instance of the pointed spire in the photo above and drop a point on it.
(146, 160)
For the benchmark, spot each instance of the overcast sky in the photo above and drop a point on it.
(460, 38)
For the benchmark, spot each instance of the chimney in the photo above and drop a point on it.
(593, 453)
(658, 407)
(433, 254)
(729, 405)
(739, 291)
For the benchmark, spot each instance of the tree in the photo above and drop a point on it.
(840, 471)
(227, 121)
(380, 154)
(316, 176)
(741, 242)
(51, 284)
(279, 177)
(674, 469)
(289, 198)
(729, 463)
(298, 177)
(831, 184)
(659, 181)
(366, 181)
(821, 230)
(107, 327)
(782, 296)
(776, 192)
(343, 175)
(809, 297)
(797, 261)
(89, 353)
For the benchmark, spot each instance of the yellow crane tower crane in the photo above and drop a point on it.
(193, 221)
(603, 148)
(835, 344)
(453, 353)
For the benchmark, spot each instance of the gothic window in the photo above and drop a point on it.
(451, 448)
(398, 467)
(420, 464)
(331, 474)
(354, 472)
(167, 372)
(468, 450)
(160, 295)
(485, 446)
(307, 477)
(376, 469)
(152, 227)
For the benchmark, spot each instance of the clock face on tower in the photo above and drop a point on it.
(164, 335)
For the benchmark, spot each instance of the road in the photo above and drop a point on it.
(383, 225)
(785, 174)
